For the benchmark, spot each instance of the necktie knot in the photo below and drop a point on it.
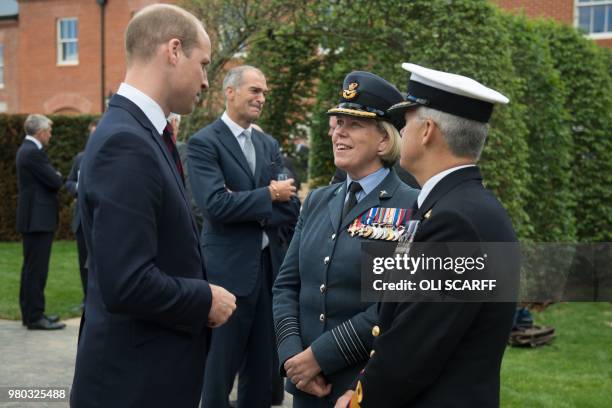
(355, 187)
(168, 131)
(168, 137)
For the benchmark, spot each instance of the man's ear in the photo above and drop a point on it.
(428, 132)
(175, 49)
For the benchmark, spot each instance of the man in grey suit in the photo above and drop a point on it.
(233, 171)
(37, 218)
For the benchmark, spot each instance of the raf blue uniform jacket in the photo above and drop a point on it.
(144, 339)
(236, 204)
(317, 295)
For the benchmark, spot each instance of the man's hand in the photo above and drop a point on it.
(222, 307)
(302, 367)
(281, 190)
(345, 399)
(317, 386)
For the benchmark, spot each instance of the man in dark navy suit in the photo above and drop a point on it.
(37, 217)
(233, 171)
(72, 182)
(444, 353)
(145, 334)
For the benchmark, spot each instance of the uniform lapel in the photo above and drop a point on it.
(336, 204)
(230, 142)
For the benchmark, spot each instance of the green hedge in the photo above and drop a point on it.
(69, 137)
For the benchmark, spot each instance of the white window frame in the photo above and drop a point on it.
(2, 65)
(594, 36)
(61, 41)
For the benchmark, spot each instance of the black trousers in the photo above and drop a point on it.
(82, 250)
(36, 254)
(243, 345)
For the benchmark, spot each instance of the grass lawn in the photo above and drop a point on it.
(63, 293)
(575, 371)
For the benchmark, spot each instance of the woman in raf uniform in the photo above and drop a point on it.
(323, 328)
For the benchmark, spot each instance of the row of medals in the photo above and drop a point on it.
(391, 229)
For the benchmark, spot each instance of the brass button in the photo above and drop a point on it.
(326, 260)
(322, 288)
(375, 331)
(372, 353)
(333, 236)
(322, 317)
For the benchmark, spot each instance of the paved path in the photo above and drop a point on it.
(37, 358)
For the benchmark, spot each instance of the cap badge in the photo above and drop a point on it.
(351, 92)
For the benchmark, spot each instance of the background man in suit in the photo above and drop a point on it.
(444, 353)
(72, 182)
(145, 338)
(233, 171)
(37, 217)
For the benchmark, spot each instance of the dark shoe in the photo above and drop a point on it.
(52, 318)
(44, 324)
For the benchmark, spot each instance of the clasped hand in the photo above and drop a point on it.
(282, 190)
(305, 372)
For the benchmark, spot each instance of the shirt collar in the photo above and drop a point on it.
(235, 128)
(431, 183)
(147, 105)
(369, 182)
(35, 141)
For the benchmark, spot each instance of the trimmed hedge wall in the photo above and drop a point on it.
(69, 137)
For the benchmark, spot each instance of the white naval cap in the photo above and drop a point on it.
(450, 93)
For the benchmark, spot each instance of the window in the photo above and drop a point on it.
(67, 41)
(1, 66)
(594, 17)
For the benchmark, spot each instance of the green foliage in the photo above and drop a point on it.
(69, 137)
(584, 70)
(550, 200)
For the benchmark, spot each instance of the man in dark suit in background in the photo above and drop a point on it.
(72, 182)
(145, 336)
(443, 353)
(233, 172)
(37, 218)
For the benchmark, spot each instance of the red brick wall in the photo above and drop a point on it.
(560, 10)
(9, 38)
(46, 87)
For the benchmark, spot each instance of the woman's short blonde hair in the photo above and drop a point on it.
(392, 152)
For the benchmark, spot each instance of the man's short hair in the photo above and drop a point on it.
(36, 122)
(158, 24)
(234, 76)
(464, 137)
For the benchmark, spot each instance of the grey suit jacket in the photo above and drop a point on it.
(317, 299)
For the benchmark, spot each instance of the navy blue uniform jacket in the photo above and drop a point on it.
(144, 340)
(444, 354)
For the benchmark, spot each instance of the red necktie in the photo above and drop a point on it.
(167, 135)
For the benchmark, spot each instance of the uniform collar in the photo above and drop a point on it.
(369, 182)
(431, 183)
(147, 105)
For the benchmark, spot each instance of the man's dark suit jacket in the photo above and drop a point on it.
(71, 186)
(236, 204)
(144, 340)
(38, 182)
(444, 354)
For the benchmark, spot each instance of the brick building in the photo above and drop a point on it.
(593, 17)
(51, 53)
(51, 50)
